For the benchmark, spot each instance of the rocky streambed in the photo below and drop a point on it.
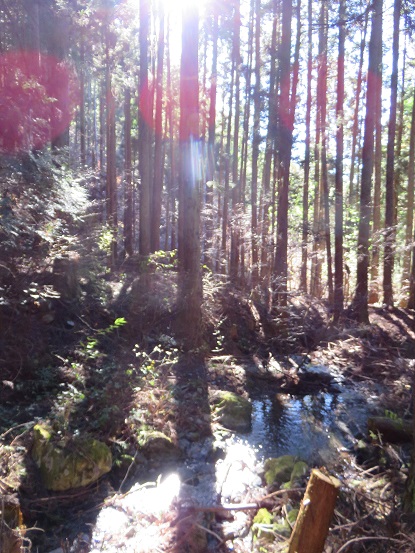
(218, 492)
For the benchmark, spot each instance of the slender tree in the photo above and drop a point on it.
(390, 228)
(338, 232)
(236, 189)
(158, 141)
(307, 154)
(410, 210)
(128, 184)
(373, 82)
(145, 132)
(256, 140)
(285, 134)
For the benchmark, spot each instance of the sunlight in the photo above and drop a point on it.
(176, 6)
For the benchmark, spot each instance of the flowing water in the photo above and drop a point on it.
(314, 427)
(319, 428)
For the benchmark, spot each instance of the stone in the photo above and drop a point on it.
(157, 446)
(232, 411)
(300, 469)
(285, 471)
(70, 463)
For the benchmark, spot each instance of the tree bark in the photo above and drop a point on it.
(128, 184)
(190, 180)
(307, 156)
(145, 133)
(236, 189)
(409, 212)
(158, 143)
(390, 225)
(338, 230)
(360, 302)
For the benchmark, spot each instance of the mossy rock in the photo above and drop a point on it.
(232, 411)
(69, 464)
(285, 471)
(298, 473)
(156, 445)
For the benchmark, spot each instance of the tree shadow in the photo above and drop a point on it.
(192, 424)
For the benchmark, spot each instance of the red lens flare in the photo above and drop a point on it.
(38, 97)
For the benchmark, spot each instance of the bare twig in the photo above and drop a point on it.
(31, 423)
(373, 538)
(211, 532)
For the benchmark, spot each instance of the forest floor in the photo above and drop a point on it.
(108, 380)
(108, 363)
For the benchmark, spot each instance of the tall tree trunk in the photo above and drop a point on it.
(236, 189)
(376, 227)
(390, 224)
(158, 142)
(82, 124)
(245, 136)
(410, 209)
(211, 158)
(145, 133)
(322, 117)
(190, 179)
(338, 230)
(285, 132)
(128, 184)
(360, 302)
(269, 151)
(307, 156)
(255, 145)
(111, 174)
(355, 127)
(227, 156)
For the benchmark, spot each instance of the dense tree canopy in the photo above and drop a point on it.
(290, 145)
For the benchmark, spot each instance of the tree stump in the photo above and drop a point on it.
(65, 276)
(316, 510)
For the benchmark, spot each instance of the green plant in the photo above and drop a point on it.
(106, 238)
(90, 347)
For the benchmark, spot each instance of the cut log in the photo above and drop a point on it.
(316, 511)
(394, 431)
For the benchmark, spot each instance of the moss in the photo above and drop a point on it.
(69, 464)
(286, 471)
(263, 525)
(278, 470)
(155, 444)
(232, 411)
(298, 473)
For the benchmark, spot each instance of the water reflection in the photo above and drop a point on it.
(314, 427)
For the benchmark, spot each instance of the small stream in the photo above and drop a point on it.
(318, 428)
(313, 427)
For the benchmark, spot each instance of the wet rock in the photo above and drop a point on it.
(298, 474)
(218, 451)
(157, 446)
(285, 471)
(67, 464)
(231, 410)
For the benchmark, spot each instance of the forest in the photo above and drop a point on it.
(207, 276)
